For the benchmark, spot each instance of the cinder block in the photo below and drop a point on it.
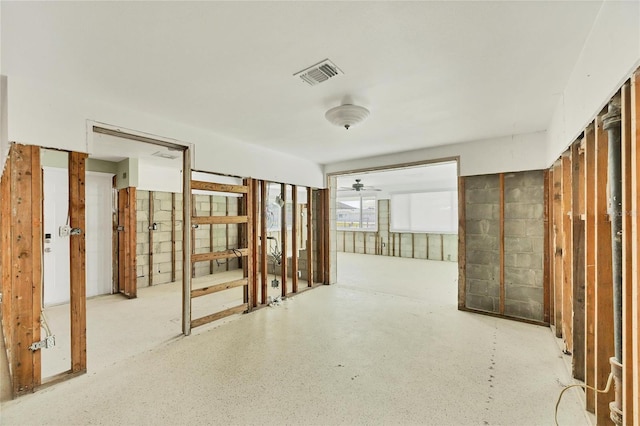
(534, 228)
(519, 276)
(482, 227)
(523, 211)
(482, 303)
(162, 215)
(514, 227)
(450, 245)
(482, 211)
(482, 196)
(481, 181)
(159, 236)
(483, 257)
(482, 272)
(523, 293)
(142, 216)
(483, 288)
(517, 245)
(531, 311)
(482, 242)
(524, 195)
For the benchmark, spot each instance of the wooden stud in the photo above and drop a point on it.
(173, 237)
(557, 245)
(226, 228)
(223, 254)
(219, 315)
(193, 234)
(6, 239)
(263, 242)
(413, 246)
(590, 265)
(283, 238)
(321, 225)
(567, 265)
(78, 299)
(400, 244)
(441, 247)
(211, 248)
(37, 200)
(578, 265)
(150, 238)
(604, 288)
(294, 238)
(546, 282)
(462, 256)
(219, 220)
(218, 287)
(249, 240)
(219, 187)
(310, 259)
(635, 246)
(628, 370)
(501, 221)
(254, 241)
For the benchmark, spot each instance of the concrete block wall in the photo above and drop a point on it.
(524, 244)
(162, 244)
(482, 232)
(416, 245)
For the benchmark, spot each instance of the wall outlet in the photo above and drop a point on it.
(64, 231)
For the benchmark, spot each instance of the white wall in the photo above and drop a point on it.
(43, 116)
(505, 154)
(610, 54)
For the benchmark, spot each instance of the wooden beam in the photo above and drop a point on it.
(78, 300)
(501, 265)
(578, 262)
(546, 281)
(198, 292)
(263, 242)
(321, 224)
(224, 254)
(249, 244)
(226, 230)
(557, 245)
(194, 209)
(310, 237)
(604, 287)
(567, 251)
(590, 265)
(283, 238)
(635, 244)
(6, 238)
(218, 187)
(462, 256)
(294, 238)
(254, 241)
(218, 220)
(211, 240)
(173, 237)
(150, 238)
(219, 315)
(628, 368)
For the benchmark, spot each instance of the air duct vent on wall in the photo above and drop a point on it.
(319, 72)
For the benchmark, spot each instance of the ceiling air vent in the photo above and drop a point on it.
(165, 155)
(319, 72)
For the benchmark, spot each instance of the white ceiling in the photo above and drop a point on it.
(431, 73)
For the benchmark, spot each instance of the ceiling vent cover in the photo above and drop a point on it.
(165, 155)
(319, 72)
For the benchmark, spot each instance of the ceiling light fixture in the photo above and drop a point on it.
(346, 115)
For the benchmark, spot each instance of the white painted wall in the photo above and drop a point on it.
(505, 154)
(98, 234)
(41, 115)
(56, 252)
(156, 178)
(610, 54)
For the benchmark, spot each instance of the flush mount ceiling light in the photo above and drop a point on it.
(346, 115)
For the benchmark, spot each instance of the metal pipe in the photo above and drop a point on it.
(612, 123)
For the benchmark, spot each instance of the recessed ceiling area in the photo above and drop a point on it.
(441, 176)
(431, 73)
(111, 148)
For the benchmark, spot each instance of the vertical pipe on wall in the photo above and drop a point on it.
(612, 124)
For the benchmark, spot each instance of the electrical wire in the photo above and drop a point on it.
(579, 385)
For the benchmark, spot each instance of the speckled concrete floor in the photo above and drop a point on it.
(385, 346)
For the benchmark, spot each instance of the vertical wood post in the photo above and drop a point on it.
(578, 258)
(263, 242)
(249, 243)
(283, 238)
(78, 300)
(254, 241)
(186, 242)
(604, 344)
(294, 238)
(501, 221)
(173, 237)
(557, 247)
(6, 257)
(590, 265)
(462, 256)
(546, 281)
(310, 237)
(567, 265)
(151, 207)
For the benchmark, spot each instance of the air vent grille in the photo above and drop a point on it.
(319, 72)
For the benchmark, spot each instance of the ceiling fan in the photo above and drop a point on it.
(358, 186)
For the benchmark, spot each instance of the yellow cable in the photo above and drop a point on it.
(605, 390)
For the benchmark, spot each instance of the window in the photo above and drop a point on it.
(435, 212)
(357, 214)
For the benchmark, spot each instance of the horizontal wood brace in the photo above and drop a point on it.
(218, 287)
(225, 254)
(218, 187)
(218, 220)
(219, 315)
